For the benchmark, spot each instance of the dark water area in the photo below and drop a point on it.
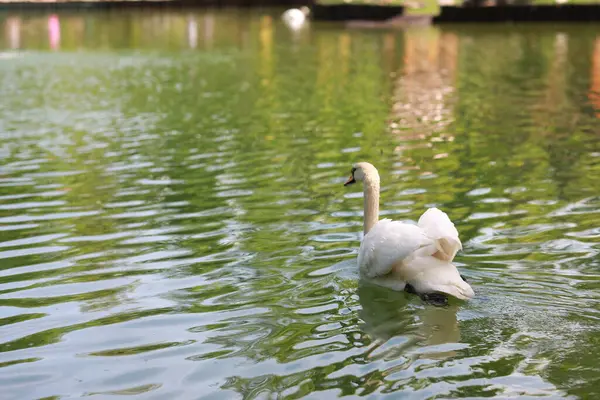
(173, 223)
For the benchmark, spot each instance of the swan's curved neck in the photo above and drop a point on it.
(371, 203)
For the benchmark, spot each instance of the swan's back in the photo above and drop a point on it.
(388, 243)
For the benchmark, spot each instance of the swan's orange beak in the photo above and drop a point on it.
(350, 180)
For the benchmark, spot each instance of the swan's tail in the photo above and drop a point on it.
(459, 289)
(441, 230)
(429, 274)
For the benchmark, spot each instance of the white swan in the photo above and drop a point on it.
(401, 256)
(295, 17)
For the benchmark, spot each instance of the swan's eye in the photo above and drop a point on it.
(352, 171)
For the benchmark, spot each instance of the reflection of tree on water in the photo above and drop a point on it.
(345, 48)
(192, 31)
(517, 116)
(389, 54)
(423, 111)
(209, 30)
(554, 97)
(566, 126)
(13, 32)
(558, 119)
(421, 105)
(266, 49)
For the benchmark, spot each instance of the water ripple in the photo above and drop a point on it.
(173, 220)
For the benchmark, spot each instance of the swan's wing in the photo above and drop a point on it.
(438, 227)
(430, 274)
(387, 243)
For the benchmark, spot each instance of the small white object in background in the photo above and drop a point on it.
(295, 17)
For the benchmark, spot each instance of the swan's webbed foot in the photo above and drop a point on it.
(410, 289)
(436, 299)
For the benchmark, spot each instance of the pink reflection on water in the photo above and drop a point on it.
(54, 31)
(192, 31)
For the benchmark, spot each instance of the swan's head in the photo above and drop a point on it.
(363, 172)
(305, 10)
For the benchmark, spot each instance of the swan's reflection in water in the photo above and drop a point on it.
(400, 322)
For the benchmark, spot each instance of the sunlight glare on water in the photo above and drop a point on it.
(173, 223)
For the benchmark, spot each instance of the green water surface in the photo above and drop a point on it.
(173, 223)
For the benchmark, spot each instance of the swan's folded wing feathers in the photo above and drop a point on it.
(387, 243)
(438, 227)
(437, 224)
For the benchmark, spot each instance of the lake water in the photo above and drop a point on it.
(173, 223)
